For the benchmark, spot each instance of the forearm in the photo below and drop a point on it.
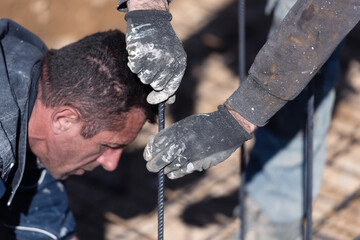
(131, 5)
(292, 56)
(147, 4)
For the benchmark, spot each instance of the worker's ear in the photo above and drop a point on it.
(64, 118)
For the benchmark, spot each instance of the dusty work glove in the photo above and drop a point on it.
(156, 54)
(195, 143)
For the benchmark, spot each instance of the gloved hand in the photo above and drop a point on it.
(156, 54)
(194, 143)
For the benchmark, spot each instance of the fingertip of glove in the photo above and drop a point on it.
(171, 100)
(156, 97)
(133, 67)
(172, 176)
(150, 168)
(146, 154)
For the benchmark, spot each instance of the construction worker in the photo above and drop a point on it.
(274, 199)
(62, 112)
(291, 57)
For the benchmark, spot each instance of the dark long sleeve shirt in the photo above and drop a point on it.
(292, 55)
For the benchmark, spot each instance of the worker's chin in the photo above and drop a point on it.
(57, 175)
(63, 176)
(78, 172)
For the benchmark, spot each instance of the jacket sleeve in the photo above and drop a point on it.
(122, 5)
(293, 54)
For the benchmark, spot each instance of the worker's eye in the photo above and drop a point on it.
(104, 147)
(114, 147)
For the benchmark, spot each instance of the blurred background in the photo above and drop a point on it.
(122, 204)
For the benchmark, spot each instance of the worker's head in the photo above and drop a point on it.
(89, 106)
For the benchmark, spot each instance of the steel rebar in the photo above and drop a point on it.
(161, 180)
(309, 134)
(242, 65)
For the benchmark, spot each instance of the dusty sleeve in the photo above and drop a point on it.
(122, 5)
(293, 54)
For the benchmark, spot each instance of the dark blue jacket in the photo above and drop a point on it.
(20, 55)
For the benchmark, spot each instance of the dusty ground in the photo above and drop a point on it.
(122, 204)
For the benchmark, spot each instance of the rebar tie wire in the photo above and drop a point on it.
(242, 64)
(161, 111)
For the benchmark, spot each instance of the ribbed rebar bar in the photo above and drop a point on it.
(160, 202)
(242, 65)
(242, 193)
(309, 134)
(241, 18)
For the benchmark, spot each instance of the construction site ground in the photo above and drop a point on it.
(123, 204)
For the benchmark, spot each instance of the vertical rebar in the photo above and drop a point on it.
(242, 40)
(309, 134)
(242, 192)
(242, 65)
(161, 180)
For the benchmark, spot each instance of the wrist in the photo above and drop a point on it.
(148, 4)
(248, 126)
(254, 102)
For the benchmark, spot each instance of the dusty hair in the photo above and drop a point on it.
(92, 76)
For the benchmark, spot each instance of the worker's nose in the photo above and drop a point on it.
(110, 159)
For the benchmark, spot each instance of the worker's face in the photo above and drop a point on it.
(72, 154)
